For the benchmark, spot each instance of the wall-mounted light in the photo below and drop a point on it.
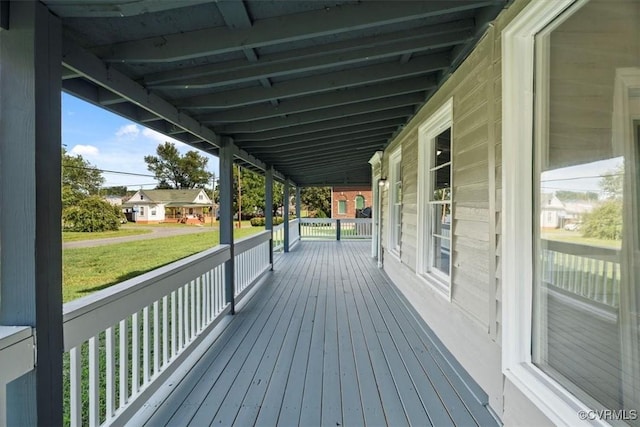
(382, 182)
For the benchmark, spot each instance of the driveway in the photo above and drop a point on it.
(156, 233)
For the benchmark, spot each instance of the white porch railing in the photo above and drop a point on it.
(251, 260)
(589, 271)
(17, 357)
(278, 237)
(121, 341)
(335, 229)
(294, 231)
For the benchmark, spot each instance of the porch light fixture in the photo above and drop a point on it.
(382, 182)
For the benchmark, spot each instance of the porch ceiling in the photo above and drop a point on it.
(312, 88)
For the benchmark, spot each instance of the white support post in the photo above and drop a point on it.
(30, 224)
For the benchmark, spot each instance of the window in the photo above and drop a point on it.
(200, 197)
(342, 207)
(153, 212)
(570, 319)
(359, 202)
(141, 210)
(141, 197)
(395, 202)
(435, 198)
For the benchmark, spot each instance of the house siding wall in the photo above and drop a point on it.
(469, 325)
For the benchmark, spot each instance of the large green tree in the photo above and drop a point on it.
(611, 182)
(317, 199)
(174, 170)
(251, 191)
(80, 179)
(605, 221)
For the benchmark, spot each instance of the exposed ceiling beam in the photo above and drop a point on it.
(344, 122)
(281, 62)
(324, 114)
(114, 8)
(314, 165)
(93, 69)
(337, 151)
(280, 29)
(234, 14)
(318, 83)
(347, 130)
(322, 100)
(283, 144)
(297, 64)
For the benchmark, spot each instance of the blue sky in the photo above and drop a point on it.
(111, 142)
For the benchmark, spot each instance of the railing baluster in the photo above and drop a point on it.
(124, 363)
(198, 306)
(180, 319)
(146, 346)
(193, 305)
(94, 383)
(75, 379)
(165, 331)
(135, 354)
(156, 337)
(110, 372)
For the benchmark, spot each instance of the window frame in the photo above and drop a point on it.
(436, 124)
(359, 197)
(394, 238)
(341, 203)
(518, 72)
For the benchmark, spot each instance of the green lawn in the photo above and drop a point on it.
(576, 237)
(74, 236)
(86, 270)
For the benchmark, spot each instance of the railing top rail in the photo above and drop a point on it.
(250, 242)
(10, 335)
(356, 220)
(85, 317)
(278, 227)
(587, 251)
(293, 221)
(317, 220)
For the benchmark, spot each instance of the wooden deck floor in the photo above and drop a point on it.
(325, 340)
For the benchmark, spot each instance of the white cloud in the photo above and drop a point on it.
(128, 131)
(85, 150)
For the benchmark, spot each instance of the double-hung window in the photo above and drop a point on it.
(435, 199)
(395, 201)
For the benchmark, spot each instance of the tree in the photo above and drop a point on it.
(79, 179)
(611, 182)
(174, 170)
(317, 199)
(566, 195)
(605, 221)
(91, 214)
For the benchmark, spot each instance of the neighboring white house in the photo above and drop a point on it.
(555, 213)
(153, 206)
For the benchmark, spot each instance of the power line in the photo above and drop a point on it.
(109, 171)
(582, 177)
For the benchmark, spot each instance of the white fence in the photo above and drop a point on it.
(588, 271)
(122, 341)
(278, 235)
(251, 260)
(335, 229)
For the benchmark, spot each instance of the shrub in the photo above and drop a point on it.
(605, 221)
(91, 214)
(260, 221)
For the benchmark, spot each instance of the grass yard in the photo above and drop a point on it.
(87, 270)
(576, 237)
(75, 236)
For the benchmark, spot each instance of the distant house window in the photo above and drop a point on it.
(435, 194)
(141, 197)
(359, 202)
(141, 210)
(153, 212)
(395, 202)
(342, 207)
(200, 197)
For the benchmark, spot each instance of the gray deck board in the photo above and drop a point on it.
(325, 340)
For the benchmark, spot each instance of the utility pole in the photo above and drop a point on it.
(239, 199)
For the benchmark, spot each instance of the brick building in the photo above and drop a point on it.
(349, 202)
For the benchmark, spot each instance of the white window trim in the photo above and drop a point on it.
(439, 121)
(394, 158)
(518, 47)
